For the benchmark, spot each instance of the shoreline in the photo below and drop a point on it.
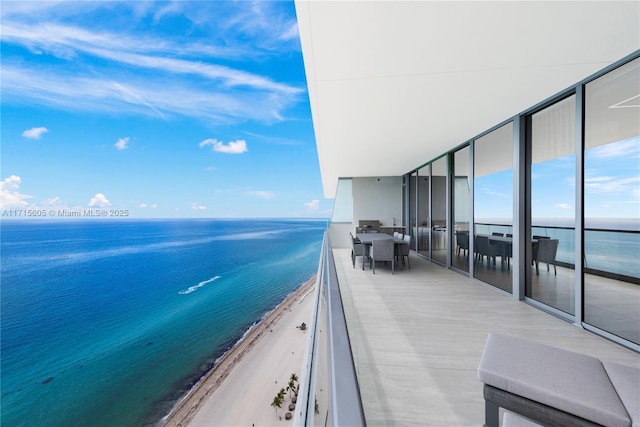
(183, 411)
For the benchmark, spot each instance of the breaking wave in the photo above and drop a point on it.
(198, 286)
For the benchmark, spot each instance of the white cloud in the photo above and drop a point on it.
(144, 205)
(35, 133)
(184, 64)
(197, 206)
(611, 185)
(491, 192)
(65, 42)
(563, 206)
(10, 197)
(54, 202)
(122, 143)
(132, 94)
(211, 169)
(233, 147)
(99, 201)
(291, 32)
(209, 141)
(261, 194)
(313, 205)
(616, 150)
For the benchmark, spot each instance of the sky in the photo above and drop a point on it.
(182, 109)
(612, 186)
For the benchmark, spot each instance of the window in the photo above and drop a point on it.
(612, 202)
(553, 171)
(493, 206)
(438, 230)
(461, 209)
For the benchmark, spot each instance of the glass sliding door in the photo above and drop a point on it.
(493, 207)
(553, 172)
(612, 202)
(461, 210)
(413, 208)
(405, 204)
(421, 226)
(439, 241)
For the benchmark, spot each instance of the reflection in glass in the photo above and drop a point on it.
(612, 202)
(413, 206)
(438, 229)
(553, 171)
(421, 226)
(403, 220)
(461, 209)
(493, 207)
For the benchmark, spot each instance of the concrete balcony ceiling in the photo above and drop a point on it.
(394, 84)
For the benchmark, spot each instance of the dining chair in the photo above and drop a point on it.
(547, 250)
(534, 247)
(402, 250)
(358, 249)
(485, 248)
(382, 250)
(462, 242)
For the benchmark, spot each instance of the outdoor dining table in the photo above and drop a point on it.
(505, 244)
(368, 238)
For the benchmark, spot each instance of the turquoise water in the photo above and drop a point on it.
(109, 323)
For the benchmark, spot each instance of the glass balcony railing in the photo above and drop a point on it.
(329, 393)
(611, 279)
(611, 253)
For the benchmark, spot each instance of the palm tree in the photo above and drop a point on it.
(291, 387)
(292, 383)
(277, 402)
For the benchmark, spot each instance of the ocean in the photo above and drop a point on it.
(611, 245)
(109, 323)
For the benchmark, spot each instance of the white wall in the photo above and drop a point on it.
(377, 198)
(373, 198)
(339, 235)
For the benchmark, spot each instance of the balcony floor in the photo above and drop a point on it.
(417, 337)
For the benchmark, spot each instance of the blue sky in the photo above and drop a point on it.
(612, 185)
(166, 109)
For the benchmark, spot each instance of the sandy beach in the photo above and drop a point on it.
(239, 390)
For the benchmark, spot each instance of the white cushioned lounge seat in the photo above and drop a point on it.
(553, 386)
(509, 419)
(626, 381)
